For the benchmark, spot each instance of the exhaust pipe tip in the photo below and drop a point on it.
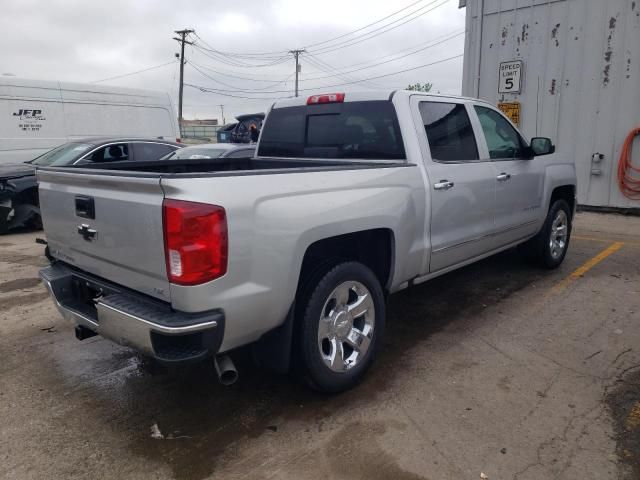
(226, 370)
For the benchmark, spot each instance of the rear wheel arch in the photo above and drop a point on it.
(374, 248)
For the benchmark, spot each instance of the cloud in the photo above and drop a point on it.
(76, 40)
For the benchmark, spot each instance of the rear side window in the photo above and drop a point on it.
(449, 132)
(150, 151)
(116, 152)
(362, 130)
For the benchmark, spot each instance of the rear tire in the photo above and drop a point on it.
(549, 247)
(340, 326)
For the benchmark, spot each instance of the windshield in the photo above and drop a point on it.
(62, 155)
(194, 153)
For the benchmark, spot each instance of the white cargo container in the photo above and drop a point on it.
(36, 116)
(573, 66)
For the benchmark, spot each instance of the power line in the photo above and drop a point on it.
(232, 60)
(324, 42)
(393, 59)
(225, 73)
(134, 73)
(218, 91)
(326, 68)
(212, 54)
(243, 54)
(421, 44)
(238, 90)
(228, 58)
(366, 26)
(386, 74)
(381, 30)
(272, 83)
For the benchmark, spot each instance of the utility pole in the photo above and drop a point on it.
(183, 34)
(222, 110)
(296, 54)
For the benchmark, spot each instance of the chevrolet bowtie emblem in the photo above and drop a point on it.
(87, 232)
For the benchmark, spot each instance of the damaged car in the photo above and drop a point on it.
(18, 197)
(19, 203)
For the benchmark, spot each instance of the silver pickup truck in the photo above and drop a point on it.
(350, 197)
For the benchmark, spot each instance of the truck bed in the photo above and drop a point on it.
(239, 165)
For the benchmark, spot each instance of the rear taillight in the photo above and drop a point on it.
(178, 140)
(195, 241)
(326, 98)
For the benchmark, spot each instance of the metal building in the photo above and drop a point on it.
(565, 69)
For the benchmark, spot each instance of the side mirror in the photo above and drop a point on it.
(542, 146)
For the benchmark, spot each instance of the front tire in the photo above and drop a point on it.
(549, 247)
(341, 326)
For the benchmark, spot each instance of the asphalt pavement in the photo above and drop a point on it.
(498, 369)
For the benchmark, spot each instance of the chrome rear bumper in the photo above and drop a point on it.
(133, 320)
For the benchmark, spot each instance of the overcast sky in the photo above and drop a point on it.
(85, 41)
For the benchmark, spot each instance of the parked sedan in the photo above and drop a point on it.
(19, 204)
(99, 150)
(212, 150)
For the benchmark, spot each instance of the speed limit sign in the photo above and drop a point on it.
(510, 77)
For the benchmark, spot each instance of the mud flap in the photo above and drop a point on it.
(273, 350)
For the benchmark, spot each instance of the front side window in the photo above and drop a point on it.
(503, 141)
(449, 132)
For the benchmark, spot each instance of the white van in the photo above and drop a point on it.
(36, 116)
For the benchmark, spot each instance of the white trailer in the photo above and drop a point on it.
(564, 69)
(36, 116)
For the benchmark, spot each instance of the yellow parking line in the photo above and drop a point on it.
(602, 240)
(585, 267)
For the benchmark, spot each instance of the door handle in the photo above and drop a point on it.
(503, 177)
(443, 185)
(85, 207)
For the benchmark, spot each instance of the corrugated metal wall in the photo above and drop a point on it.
(581, 79)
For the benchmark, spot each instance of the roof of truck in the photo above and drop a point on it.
(364, 95)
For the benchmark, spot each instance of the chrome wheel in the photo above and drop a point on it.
(346, 326)
(559, 234)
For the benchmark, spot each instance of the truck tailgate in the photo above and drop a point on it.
(107, 225)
